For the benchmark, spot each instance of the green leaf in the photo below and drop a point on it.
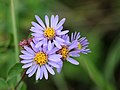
(94, 74)
(22, 86)
(15, 70)
(12, 82)
(3, 84)
(113, 59)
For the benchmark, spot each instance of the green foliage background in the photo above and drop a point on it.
(98, 20)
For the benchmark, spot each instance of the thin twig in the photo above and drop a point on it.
(22, 78)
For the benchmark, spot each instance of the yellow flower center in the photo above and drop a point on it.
(49, 33)
(41, 58)
(64, 52)
(79, 46)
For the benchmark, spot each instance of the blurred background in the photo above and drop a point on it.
(98, 20)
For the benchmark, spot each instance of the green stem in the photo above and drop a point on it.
(14, 30)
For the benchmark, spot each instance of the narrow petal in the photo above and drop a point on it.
(37, 30)
(26, 61)
(85, 43)
(29, 50)
(71, 60)
(52, 20)
(57, 44)
(33, 71)
(52, 46)
(45, 49)
(37, 26)
(74, 55)
(55, 57)
(59, 39)
(73, 45)
(26, 57)
(33, 47)
(75, 35)
(47, 20)
(78, 36)
(37, 35)
(38, 44)
(45, 72)
(54, 64)
(52, 51)
(63, 32)
(50, 69)
(26, 53)
(39, 38)
(49, 45)
(82, 39)
(40, 21)
(41, 73)
(38, 73)
(35, 41)
(45, 42)
(56, 21)
(72, 37)
(60, 23)
(61, 65)
(27, 65)
(59, 29)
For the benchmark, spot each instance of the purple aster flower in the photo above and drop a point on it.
(82, 44)
(68, 52)
(49, 32)
(40, 60)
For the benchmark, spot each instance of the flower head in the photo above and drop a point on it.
(68, 52)
(39, 60)
(82, 43)
(50, 32)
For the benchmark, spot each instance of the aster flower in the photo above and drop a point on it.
(49, 32)
(68, 52)
(39, 60)
(82, 45)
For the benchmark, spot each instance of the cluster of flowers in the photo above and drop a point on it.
(50, 46)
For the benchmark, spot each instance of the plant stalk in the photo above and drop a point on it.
(14, 30)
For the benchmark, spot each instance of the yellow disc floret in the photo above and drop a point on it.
(49, 33)
(79, 46)
(41, 58)
(64, 52)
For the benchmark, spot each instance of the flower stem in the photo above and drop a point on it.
(22, 78)
(14, 30)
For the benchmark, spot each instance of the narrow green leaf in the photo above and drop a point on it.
(3, 84)
(22, 86)
(94, 73)
(12, 82)
(113, 59)
(15, 70)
